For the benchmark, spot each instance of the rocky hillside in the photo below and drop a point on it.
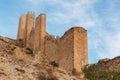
(108, 65)
(18, 63)
(105, 69)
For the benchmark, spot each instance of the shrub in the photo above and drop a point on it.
(90, 74)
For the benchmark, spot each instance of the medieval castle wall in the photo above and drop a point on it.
(68, 51)
(51, 48)
(80, 48)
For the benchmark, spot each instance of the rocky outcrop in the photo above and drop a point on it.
(105, 69)
(106, 65)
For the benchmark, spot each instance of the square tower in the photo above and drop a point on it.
(39, 34)
(80, 48)
(73, 49)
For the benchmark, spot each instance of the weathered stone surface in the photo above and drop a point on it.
(32, 38)
(42, 32)
(39, 34)
(36, 35)
(21, 30)
(52, 48)
(29, 27)
(69, 51)
(66, 60)
(80, 48)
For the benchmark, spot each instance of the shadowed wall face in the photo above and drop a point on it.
(51, 48)
(36, 35)
(21, 29)
(32, 38)
(39, 34)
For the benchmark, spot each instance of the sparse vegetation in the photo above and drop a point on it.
(9, 49)
(90, 74)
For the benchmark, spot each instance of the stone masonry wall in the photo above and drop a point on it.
(39, 34)
(51, 48)
(67, 51)
(36, 36)
(80, 48)
(42, 33)
(32, 38)
(21, 29)
(29, 26)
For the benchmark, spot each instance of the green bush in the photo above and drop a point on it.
(90, 74)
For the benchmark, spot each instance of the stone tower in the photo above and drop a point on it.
(21, 30)
(36, 35)
(42, 32)
(80, 48)
(73, 49)
(69, 51)
(29, 26)
(39, 34)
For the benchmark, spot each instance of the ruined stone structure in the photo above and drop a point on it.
(68, 51)
(21, 30)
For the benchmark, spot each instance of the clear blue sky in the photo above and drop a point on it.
(100, 17)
